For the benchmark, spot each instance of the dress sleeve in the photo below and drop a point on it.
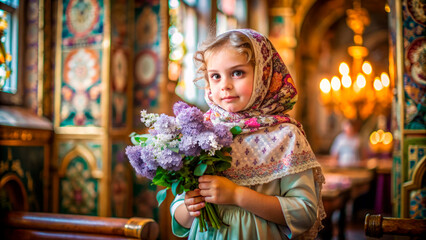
(299, 202)
(177, 229)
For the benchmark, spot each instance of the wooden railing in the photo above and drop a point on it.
(377, 226)
(32, 225)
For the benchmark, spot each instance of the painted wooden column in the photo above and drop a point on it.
(81, 123)
(407, 68)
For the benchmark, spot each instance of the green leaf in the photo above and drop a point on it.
(200, 169)
(139, 139)
(180, 190)
(161, 178)
(134, 141)
(175, 185)
(175, 149)
(222, 166)
(187, 186)
(236, 130)
(161, 195)
(157, 176)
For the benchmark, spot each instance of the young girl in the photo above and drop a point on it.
(273, 188)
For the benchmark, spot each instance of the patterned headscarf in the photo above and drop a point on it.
(273, 95)
(272, 144)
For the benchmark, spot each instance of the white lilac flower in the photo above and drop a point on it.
(148, 118)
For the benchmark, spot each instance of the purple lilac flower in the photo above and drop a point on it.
(224, 135)
(134, 154)
(188, 146)
(166, 125)
(179, 106)
(208, 126)
(207, 140)
(147, 156)
(170, 160)
(191, 121)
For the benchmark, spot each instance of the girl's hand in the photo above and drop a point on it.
(194, 202)
(218, 190)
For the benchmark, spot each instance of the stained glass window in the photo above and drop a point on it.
(9, 46)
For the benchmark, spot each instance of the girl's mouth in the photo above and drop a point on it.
(229, 99)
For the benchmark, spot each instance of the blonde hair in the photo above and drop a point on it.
(234, 39)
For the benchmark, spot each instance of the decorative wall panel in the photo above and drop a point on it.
(408, 48)
(81, 88)
(147, 61)
(79, 174)
(83, 22)
(79, 190)
(415, 60)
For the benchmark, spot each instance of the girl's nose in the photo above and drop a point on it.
(226, 85)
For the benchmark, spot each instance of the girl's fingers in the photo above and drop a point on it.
(205, 193)
(194, 200)
(197, 207)
(194, 214)
(193, 193)
(210, 199)
(194, 210)
(203, 186)
(205, 178)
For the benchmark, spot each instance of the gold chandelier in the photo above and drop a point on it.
(357, 92)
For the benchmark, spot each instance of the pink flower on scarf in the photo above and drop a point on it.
(281, 118)
(252, 122)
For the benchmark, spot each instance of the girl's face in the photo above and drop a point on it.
(230, 79)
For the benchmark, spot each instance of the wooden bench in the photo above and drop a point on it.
(34, 225)
(377, 226)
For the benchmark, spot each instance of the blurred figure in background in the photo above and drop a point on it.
(346, 147)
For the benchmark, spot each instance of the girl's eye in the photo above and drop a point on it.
(237, 73)
(215, 76)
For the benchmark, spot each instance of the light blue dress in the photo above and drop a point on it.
(298, 195)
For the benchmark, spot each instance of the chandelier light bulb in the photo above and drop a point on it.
(360, 81)
(366, 68)
(387, 8)
(325, 85)
(344, 68)
(346, 81)
(335, 83)
(378, 84)
(385, 79)
(374, 138)
(387, 139)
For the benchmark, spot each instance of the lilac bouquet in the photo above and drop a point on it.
(180, 149)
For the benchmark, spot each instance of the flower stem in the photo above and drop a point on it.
(212, 219)
(202, 222)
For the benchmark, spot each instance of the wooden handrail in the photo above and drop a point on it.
(139, 228)
(377, 225)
